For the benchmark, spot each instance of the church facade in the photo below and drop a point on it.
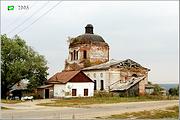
(90, 53)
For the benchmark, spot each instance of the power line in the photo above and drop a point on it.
(17, 18)
(40, 16)
(34, 13)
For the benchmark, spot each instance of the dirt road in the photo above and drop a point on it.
(85, 112)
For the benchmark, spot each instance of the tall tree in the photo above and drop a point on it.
(19, 61)
(174, 91)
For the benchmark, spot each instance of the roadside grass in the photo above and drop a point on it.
(69, 102)
(170, 112)
(10, 101)
(5, 108)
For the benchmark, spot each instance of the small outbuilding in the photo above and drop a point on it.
(19, 90)
(149, 89)
(67, 84)
(45, 91)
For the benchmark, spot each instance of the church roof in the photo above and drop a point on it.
(103, 65)
(129, 84)
(88, 38)
(121, 63)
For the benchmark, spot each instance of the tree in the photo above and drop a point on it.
(178, 90)
(19, 61)
(174, 91)
(157, 90)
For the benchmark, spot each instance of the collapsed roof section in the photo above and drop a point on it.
(128, 85)
(128, 63)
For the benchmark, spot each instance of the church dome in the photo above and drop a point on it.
(88, 38)
(89, 25)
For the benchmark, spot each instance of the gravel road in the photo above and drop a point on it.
(30, 110)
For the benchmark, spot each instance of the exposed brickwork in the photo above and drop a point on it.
(90, 49)
(142, 88)
(87, 50)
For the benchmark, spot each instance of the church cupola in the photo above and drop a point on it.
(87, 50)
(89, 29)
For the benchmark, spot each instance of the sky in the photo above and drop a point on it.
(144, 31)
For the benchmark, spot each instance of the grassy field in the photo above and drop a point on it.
(170, 112)
(102, 100)
(10, 101)
(5, 108)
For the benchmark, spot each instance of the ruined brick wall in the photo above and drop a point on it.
(142, 87)
(98, 54)
(95, 54)
(127, 74)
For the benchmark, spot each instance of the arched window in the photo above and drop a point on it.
(95, 85)
(74, 57)
(102, 85)
(85, 54)
(71, 56)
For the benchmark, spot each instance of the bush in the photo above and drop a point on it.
(156, 97)
(122, 94)
(157, 90)
(174, 91)
(104, 94)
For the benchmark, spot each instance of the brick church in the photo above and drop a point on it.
(89, 52)
(89, 69)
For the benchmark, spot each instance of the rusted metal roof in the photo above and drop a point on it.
(63, 77)
(69, 76)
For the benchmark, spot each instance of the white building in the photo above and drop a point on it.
(67, 84)
(119, 76)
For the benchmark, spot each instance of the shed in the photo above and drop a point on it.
(45, 91)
